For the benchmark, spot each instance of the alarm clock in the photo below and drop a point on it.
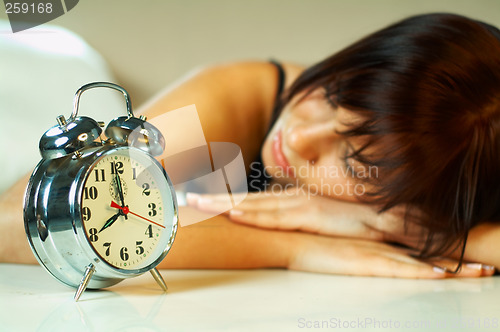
(98, 210)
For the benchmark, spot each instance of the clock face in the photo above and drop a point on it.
(128, 209)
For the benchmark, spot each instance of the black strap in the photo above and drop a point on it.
(277, 99)
(258, 177)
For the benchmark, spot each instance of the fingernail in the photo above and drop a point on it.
(205, 201)
(439, 269)
(234, 212)
(192, 198)
(475, 266)
(488, 267)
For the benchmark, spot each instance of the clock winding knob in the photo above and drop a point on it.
(136, 132)
(68, 137)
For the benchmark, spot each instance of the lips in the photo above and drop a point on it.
(279, 157)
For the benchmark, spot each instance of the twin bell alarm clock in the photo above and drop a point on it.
(99, 208)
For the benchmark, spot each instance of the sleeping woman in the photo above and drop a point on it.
(385, 154)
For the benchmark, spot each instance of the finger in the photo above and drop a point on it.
(252, 202)
(394, 262)
(249, 197)
(488, 270)
(368, 258)
(299, 218)
(194, 198)
(361, 258)
(474, 270)
(448, 266)
(281, 194)
(401, 267)
(209, 203)
(467, 270)
(270, 203)
(269, 220)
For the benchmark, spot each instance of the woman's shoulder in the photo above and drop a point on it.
(255, 82)
(254, 71)
(292, 71)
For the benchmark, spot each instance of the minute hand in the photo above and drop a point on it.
(120, 190)
(126, 210)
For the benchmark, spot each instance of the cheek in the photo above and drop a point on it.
(265, 152)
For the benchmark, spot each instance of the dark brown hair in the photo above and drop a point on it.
(428, 91)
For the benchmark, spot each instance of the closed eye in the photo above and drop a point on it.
(346, 156)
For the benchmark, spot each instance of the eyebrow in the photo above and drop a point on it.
(331, 102)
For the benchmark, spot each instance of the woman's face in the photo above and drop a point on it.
(305, 149)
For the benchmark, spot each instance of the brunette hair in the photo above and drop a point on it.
(428, 91)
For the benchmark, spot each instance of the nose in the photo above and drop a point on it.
(309, 139)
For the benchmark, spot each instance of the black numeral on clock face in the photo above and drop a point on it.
(146, 191)
(100, 175)
(139, 250)
(123, 254)
(86, 214)
(116, 167)
(107, 245)
(149, 231)
(152, 211)
(93, 235)
(90, 193)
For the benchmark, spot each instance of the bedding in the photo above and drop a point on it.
(40, 71)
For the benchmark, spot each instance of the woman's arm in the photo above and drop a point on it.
(220, 243)
(14, 247)
(483, 245)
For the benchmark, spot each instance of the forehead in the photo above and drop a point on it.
(345, 119)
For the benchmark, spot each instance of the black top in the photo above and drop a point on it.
(257, 178)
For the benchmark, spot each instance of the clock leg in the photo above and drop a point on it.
(159, 279)
(89, 271)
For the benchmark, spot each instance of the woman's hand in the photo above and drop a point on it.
(219, 243)
(298, 211)
(314, 253)
(337, 237)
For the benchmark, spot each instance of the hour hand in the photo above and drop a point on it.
(110, 221)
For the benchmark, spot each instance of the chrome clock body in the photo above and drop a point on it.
(79, 224)
(55, 224)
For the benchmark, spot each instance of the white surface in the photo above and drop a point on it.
(255, 300)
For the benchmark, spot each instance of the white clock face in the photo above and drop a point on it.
(128, 210)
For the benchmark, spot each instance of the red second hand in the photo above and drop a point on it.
(126, 210)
